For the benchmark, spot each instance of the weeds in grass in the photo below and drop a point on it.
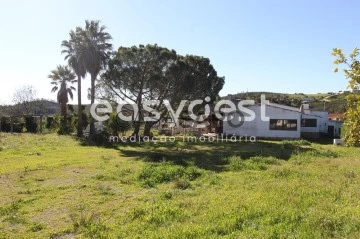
(154, 174)
(105, 190)
(313, 195)
(29, 192)
(36, 227)
(166, 195)
(106, 158)
(213, 178)
(284, 173)
(311, 155)
(253, 163)
(12, 208)
(11, 212)
(155, 157)
(90, 224)
(350, 175)
(182, 184)
(156, 213)
(321, 154)
(106, 177)
(293, 143)
(124, 176)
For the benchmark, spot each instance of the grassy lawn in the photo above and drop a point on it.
(56, 187)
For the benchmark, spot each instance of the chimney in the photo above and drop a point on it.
(305, 108)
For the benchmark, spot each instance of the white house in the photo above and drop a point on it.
(334, 128)
(284, 122)
(326, 126)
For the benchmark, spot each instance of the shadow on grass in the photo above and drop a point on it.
(101, 142)
(322, 141)
(209, 156)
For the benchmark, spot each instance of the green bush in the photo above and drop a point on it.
(101, 138)
(66, 126)
(5, 124)
(18, 125)
(116, 125)
(181, 184)
(50, 123)
(30, 124)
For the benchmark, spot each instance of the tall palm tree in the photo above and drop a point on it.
(74, 50)
(97, 51)
(62, 78)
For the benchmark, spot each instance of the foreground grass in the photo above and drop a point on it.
(53, 187)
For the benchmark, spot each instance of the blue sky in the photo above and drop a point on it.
(279, 46)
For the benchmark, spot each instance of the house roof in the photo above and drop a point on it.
(336, 116)
(284, 107)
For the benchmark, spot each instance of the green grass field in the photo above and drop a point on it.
(56, 187)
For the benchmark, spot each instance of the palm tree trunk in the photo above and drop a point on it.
(64, 116)
(79, 125)
(92, 121)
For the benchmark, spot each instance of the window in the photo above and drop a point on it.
(282, 124)
(308, 122)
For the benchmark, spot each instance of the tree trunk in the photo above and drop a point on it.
(137, 118)
(92, 121)
(63, 121)
(147, 129)
(79, 125)
(41, 124)
(11, 125)
(136, 128)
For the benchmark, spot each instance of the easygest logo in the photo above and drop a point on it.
(225, 110)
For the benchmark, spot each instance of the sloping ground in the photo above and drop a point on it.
(55, 187)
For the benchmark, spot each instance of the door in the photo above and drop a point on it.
(331, 131)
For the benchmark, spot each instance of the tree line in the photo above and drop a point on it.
(135, 74)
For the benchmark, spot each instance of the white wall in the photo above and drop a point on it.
(311, 129)
(337, 126)
(261, 128)
(324, 118)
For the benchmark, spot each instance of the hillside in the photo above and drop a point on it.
(331, 102)
(36, 107)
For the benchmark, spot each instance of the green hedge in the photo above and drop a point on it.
(31, 124)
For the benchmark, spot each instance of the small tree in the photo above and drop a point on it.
(352, 72)
(117, 125)
(24, 97)
(61, 79)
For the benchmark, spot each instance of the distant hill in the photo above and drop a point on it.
(38, 107)
(331, 102)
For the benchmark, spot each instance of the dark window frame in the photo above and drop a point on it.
(285, 125)
(309, 123)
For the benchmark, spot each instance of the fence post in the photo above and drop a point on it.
(11, 125)
(41, 125)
